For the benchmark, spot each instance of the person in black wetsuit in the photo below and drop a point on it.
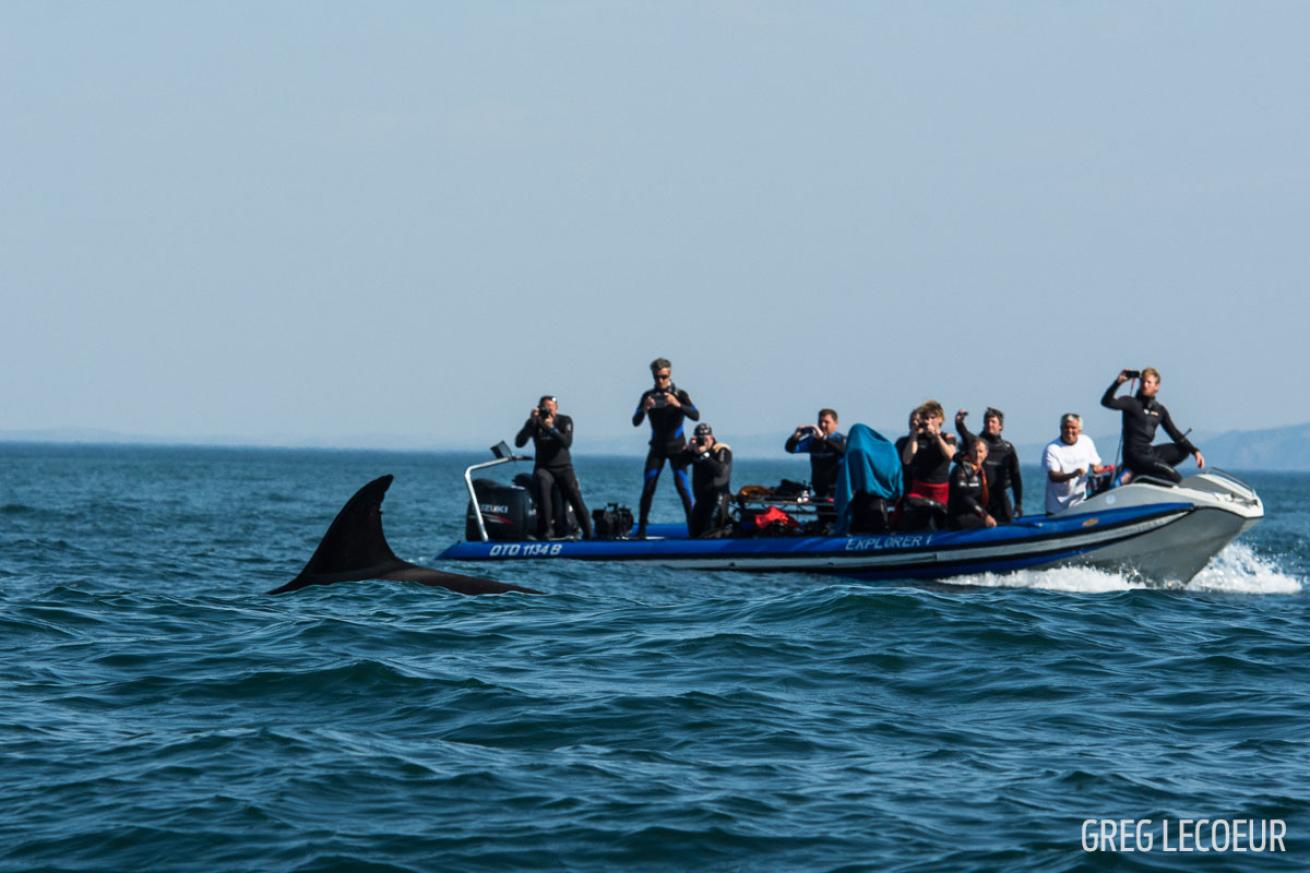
(667, 406)
(926, 455)
(1001, 466)
(967, 509)
(552, 435)
(825, 446)
(1142, 414)
(711, 472)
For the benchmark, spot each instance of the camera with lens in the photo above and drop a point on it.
(543, 411)
(661, 396)
(1133, 374)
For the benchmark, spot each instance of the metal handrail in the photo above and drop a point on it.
(1224, 474)
(1248, 494)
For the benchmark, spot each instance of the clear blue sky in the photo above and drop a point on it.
(323, 220)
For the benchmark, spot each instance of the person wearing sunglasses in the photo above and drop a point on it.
(552, 435)
(666, 406)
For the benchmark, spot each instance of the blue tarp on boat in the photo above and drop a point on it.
(870, 465)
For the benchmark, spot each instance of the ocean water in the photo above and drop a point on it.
(159, 712)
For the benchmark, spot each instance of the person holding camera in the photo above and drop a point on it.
(552, 435)
(711, 472)
(1000, 465)
(1142, 414)
(667, 406)
(926, 455)
(825, 446)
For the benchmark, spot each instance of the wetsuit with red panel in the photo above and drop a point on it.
(929, 471)
(928, 487)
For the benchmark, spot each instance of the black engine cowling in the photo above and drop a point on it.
(509, 512)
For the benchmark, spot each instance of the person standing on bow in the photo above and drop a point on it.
(667, 406)
(1001, 465)
(1142, 414)
(552, 435)
(825, 446)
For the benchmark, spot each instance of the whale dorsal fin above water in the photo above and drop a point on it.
(354, 548)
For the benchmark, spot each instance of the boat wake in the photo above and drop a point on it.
(1237, 569)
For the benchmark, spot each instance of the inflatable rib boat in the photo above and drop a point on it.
(1149, 530)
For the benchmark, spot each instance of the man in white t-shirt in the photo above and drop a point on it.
(1069, 461)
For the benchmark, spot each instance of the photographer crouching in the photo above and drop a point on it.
(711, 472)
(552, 435)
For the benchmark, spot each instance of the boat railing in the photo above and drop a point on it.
(504, 455)
(1228, 477)
(1242, 490)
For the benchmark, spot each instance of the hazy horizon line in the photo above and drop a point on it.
(756, 446)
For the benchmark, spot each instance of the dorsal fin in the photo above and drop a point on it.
(354, 542)
(355, 548)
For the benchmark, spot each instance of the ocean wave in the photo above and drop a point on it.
(162, 712)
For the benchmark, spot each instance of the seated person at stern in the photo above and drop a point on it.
(969, 488)
(711, 472)
(825, 445)
(1068, 462)
(551, 435)
(666, 405)
(1142, 414)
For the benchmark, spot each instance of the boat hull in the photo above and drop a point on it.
(1157, 534)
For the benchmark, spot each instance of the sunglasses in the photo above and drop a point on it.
(663, 375)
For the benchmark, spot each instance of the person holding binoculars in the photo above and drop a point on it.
(1142, 414)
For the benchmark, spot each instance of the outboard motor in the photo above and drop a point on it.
(509, 512)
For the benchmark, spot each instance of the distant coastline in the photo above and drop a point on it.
(1273, 449)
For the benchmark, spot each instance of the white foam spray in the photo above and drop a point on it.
(1236, 570)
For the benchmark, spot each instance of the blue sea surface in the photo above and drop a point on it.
(159, 712)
